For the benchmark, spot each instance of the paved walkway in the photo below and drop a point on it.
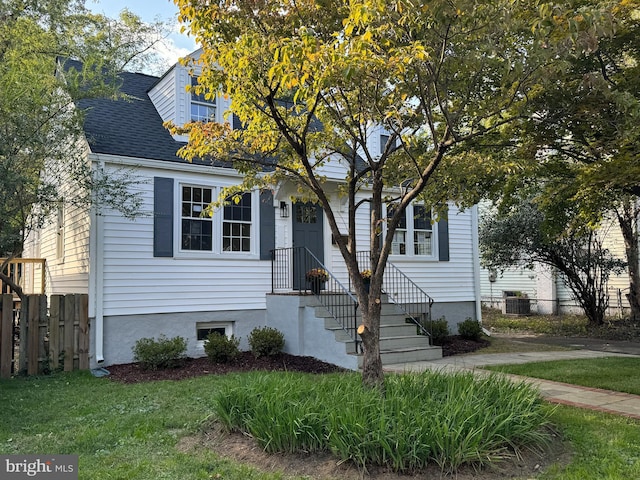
(554, 392)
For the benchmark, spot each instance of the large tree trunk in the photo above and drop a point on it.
(369, 331)
(627, 218)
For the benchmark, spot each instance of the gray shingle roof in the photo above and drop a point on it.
(131, 127)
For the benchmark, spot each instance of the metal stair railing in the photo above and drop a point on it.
(296, 268)
(405, 293)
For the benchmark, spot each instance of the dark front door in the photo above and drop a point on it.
(307, 232)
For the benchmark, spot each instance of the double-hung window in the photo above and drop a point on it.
(399, 242)
(418, 229)
(197, 227)
(422, 231)
(236, 225)
(228, 230)
(202, 109)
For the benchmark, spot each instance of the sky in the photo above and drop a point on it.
(176, 45)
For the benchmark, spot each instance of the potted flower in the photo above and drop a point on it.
(316, 277)
(366, 277)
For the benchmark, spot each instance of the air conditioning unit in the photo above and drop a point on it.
(514, 303)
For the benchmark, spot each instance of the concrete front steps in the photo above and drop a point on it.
(399, 341)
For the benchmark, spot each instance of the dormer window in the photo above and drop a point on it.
(202, 109)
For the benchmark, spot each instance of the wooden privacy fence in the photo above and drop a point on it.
(57, 339)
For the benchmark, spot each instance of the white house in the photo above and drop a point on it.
(172, 272)
(546, 288)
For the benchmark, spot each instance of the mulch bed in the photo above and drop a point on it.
(456, 345)
(246, 361)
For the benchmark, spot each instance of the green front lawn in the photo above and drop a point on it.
(134, 431)
(612, 373)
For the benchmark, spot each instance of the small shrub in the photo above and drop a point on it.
(266, 341)
(220, 348)
(439, 330)
(162, 353)
(470, 329)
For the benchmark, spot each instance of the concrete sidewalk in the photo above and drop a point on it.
(554, 392)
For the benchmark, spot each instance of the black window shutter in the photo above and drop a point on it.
(443, 240)
(267, 225)
(162, 217)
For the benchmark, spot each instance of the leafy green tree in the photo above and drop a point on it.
(524, 235)
(310, 81)
(40, 128)
(585, 123)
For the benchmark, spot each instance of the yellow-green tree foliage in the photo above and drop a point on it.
(309, 80)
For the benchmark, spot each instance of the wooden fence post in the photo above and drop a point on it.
(83, 332)
(6, 335)
(33, 322)
(22, 348)
(69, 320)
(43, 329)
(56, 311)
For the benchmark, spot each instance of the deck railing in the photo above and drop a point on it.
(28, 273)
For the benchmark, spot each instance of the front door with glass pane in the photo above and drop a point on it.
(307, 232)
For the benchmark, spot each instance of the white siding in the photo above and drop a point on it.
(135, 282)
(69, 273)
(447, 281)
(451, 281)
(512, 279)
(163, 95)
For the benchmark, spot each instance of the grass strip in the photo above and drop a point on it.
(619, 374)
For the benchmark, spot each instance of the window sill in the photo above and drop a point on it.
(215, 256)
(414, 258)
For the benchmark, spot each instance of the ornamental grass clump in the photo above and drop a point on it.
(426, 418)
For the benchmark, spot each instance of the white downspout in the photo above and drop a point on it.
(476, 261)
(96, 278)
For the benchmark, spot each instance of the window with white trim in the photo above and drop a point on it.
(203, 329)
(60, 231)
(399, 242)
(422, 231)
(202, 108)
(229, 230)
(197, 229)
(236, 225)
(419, 230)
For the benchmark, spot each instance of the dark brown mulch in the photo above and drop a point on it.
(456, 345)
(246, 361)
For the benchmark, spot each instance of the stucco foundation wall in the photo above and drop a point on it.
(455, 313)
(304, 333)
(122, 332)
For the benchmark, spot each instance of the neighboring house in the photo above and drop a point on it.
(173, 272)
(545, 287)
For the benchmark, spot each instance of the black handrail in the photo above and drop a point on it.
(296, 268)
(405, 293)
